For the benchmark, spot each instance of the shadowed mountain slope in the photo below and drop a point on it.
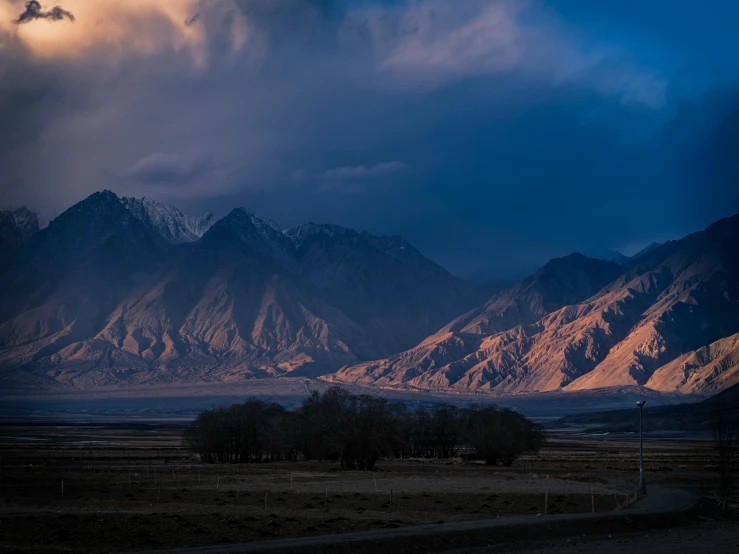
(382, 283)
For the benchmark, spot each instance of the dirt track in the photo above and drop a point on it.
(719, 538)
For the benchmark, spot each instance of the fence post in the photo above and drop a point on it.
(592, 501)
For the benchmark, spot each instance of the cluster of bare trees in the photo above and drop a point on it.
(357, 430)
(250, 432)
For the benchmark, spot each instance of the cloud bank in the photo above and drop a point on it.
(487, 132)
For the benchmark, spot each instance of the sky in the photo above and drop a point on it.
(492, 134)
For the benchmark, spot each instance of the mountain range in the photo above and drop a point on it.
(666, 320)
(123, 291)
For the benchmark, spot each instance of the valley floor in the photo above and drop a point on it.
(126, 484)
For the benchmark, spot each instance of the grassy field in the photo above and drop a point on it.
(121, 484)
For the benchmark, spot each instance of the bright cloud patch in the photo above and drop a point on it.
(120, 27)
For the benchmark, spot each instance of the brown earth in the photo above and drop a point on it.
(126, 490)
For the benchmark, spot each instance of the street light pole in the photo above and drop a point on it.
(642, 483)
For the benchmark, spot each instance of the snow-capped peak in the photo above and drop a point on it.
(24, 221)
(25, 218)
(168, 221)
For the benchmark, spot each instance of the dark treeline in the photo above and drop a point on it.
(357, 430)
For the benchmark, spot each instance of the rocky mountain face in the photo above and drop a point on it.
(707, 370)
(664, 320)
(168, 221)
(109, 294)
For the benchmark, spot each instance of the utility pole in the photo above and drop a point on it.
(642, 483)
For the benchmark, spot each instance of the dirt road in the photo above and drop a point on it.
(718, 537)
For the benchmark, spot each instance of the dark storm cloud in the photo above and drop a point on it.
(20, 116)
(171, 169)
(516, 183)
(520, 130)
(33, 12)
(703, 140)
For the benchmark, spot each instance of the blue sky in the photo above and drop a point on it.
(491, 134)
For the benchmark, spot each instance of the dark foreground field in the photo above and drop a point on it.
(113, 485)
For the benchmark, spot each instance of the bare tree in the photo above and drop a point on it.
(725, 440)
